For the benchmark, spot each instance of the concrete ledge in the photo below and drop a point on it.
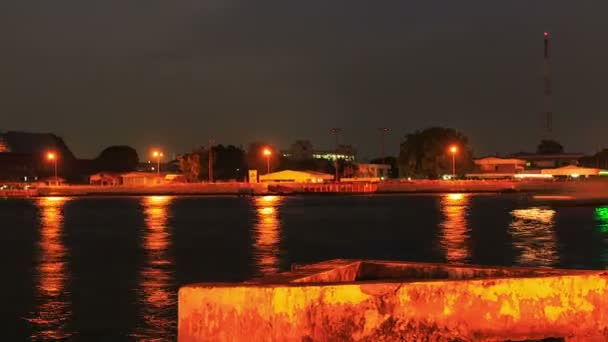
(353, 300)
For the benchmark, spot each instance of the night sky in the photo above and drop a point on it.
(176, 73)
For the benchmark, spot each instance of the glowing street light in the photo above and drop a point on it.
(157, 154)
(267, 153)
(453, 151)
(51, 156)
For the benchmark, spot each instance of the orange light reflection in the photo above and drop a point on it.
(157, 292)
(534, 237)
(455, 234)
(266, 231)
(54, 309)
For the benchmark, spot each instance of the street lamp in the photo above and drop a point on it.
(267, 154)
(51, 156)
(453, 151)
(157, 155)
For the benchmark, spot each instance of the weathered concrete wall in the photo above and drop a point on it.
(546, 305)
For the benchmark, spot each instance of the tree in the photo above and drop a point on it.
(117, 159)
(229, 163)
(424, 154)
(192, 164)
(549, 147)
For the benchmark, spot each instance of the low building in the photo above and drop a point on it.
(379, 171)
(105, 179)
(543, 161)
(572, 171)
(142, 178)
(296, 177)
(496, 168)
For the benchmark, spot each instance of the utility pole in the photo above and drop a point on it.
(210, 161)
(383, 131)
(548, 114)
(336, 132)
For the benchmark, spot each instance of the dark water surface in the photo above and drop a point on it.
(109, 268)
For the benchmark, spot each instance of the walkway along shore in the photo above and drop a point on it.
(585, 189)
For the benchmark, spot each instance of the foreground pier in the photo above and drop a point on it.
(351, 300)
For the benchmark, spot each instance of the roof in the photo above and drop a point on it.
(536, 156)
(293, 174)
(141, 174)
(497, 160)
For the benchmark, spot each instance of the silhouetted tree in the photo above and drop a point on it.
(425, 154)
(229, 163)
(549, 147)
(117, 159)
(190, 165)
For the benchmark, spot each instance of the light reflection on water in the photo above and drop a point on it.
(157, 294)
(455, 233)
(54, 306)
(266, 234)
(534, 237)
(601, 216)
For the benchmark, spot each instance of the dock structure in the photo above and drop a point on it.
(360, 300)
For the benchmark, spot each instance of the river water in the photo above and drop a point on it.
(109, 267)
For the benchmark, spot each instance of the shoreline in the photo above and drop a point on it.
(584, 189)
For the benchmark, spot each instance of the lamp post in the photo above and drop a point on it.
(453, 151)
(157, 155)
(267, 154)
(53, 157)
(210, 161)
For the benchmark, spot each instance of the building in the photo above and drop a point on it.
(296, 177)
(541, 161)
(303, 150)
(105, 179)
(344, 152)
(499, 165)
(142, 179)
(572, 171)
(378, 171)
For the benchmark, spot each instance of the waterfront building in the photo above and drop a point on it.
(296, 177)
(540, 161)
(303, 150)
(372, 171)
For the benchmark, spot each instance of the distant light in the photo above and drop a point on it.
(453, 149)
(546, 34)
(575, 175)
(603, 173)
(50, 156)
(267, 152)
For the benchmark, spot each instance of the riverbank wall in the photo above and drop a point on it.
(579, 188)
(345, 300)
